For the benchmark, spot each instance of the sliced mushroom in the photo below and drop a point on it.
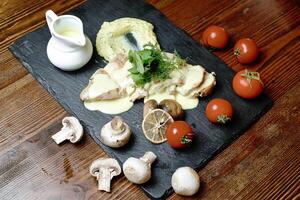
(71, 130)
(185, 181)
(173, 108)
(139, 170)
(149, 106)
(115, 133)
(105, 169)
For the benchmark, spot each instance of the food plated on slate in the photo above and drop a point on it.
(138, 69)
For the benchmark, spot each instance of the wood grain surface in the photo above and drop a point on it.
(262, 164)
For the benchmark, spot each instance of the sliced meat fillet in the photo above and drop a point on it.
(193, 77)
(101, 86)
(138, 93)
(118, 71)
(169, 85)
(206, 87)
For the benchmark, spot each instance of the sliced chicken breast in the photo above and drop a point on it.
(101, 86)
(206, 87)
(193, 77)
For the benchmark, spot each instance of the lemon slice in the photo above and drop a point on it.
(155, 124)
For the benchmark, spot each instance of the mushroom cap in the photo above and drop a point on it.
(108, 163)
(149, 106)
(73, 124)
(136, 171)
(185, 181)
(172, 107)
(112, 138)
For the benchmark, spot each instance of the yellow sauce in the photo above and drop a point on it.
(70, 34)
(112, 106)
(160, 96)
(117, 106)
(186, 102)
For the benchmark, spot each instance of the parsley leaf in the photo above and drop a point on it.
(152, 64)
(136, 60)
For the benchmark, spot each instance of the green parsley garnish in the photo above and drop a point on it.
(151, 64)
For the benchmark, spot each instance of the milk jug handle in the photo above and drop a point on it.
(50, 17)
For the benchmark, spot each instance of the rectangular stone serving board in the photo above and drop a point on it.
(65, 87)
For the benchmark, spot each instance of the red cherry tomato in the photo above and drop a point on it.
(247, 84)
(219, 111)
(246, 51)
(179, 134)
(215, 36)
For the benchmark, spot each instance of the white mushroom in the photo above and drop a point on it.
(115, 133)
(105, 169)
(71, 130)
(185, 181)
(139, 170)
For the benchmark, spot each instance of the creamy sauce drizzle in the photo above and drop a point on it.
(187, 102)
(117, 106)
(70, 34)
(159, 97)
(112, 106)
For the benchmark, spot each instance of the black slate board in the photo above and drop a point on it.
(66, 87)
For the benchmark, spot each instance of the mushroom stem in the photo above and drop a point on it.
(149, 157)
(117, 125)
(62, 135)
(104, 179)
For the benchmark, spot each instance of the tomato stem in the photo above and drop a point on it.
(185, 140)
(251, 75)
(211, 49)
(223, 119)
(237, 52)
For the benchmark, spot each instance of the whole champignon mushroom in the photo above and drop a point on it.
(173, 108)
(105, 169)
(71, 130)
(149, 106)
(139, 170)
(115, 133)
(185, 181)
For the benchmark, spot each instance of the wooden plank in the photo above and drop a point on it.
(11, 70)
(224, 162)
(25, 109)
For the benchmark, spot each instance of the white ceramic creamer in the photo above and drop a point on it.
(68, 49)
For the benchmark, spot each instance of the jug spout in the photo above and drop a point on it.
(81, 40)
(73, 38)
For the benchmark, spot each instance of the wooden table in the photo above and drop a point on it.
(264, 163)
